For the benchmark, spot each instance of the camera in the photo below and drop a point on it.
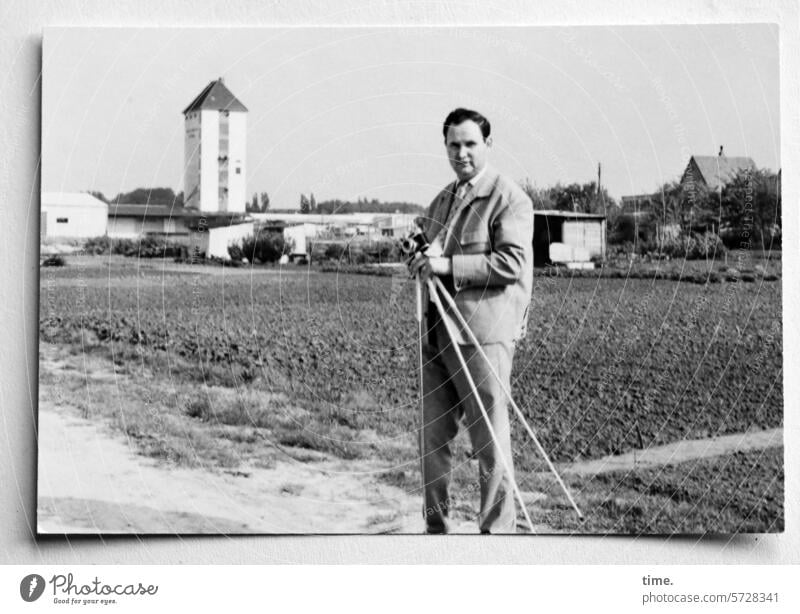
(414, 242)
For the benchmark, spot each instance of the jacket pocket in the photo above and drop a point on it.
(476, 236)
(482, 247)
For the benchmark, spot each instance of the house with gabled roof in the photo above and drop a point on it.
(714, 172)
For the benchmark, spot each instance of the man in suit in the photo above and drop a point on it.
(480, 230)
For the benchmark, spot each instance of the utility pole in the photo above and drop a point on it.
(599, 184)
(598, 177)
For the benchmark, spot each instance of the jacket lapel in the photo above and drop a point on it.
(482, 189)
(441, 211)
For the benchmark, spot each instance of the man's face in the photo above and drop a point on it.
(466, 149)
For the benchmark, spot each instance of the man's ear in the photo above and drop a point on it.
(488, 141)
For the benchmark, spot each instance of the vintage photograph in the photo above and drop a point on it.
(411, 280)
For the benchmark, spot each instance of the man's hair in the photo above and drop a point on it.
(459, 116)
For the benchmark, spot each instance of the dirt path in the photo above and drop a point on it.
(681, 451)
(91, 481)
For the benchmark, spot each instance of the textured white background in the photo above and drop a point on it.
(20, 95)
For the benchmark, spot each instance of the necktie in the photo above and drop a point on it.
(458, 201)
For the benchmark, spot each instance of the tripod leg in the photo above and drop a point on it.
(506, 462)
(452, 304)
(421, 393)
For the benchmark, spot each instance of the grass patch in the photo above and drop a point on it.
(175, 420)
(741, 492)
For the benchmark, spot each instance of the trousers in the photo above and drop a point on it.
(447, 400)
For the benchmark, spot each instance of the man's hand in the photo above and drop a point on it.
(425, 266)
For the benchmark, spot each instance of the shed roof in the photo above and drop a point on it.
(719, 170)
(72, 199)
(215, 97)
(142, 211)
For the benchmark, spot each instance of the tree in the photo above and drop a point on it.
(584, 198)
(312, 203)
(149, 196)
(690, 205)
(751, 209)
(264, 202)
(265, 246)
(252, 206)
(305, 204)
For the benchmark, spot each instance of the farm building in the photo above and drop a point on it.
(333, 219)
(72, 215)
(131, 221)
(299, 235)
(396, 224)
(212, 234)
(578, 237)
(714, 172)
(347, 224)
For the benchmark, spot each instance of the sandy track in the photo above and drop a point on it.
(91, 481)
(689, 449)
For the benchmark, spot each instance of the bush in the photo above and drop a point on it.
(54, 260)
(690, 247)
(97, 246)
(236, 252)
(358, 252)
(266, 246)
(385, 251)
(152, 247)
(360, 257)
(707, 245)
(124, 247)
(146, 247)
(627, 229)
(648, 246)
(335, 251)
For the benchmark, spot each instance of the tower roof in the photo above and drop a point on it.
(215, 96)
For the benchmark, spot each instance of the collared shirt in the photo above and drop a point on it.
(461, 189)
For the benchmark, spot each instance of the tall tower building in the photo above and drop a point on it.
(214, 151)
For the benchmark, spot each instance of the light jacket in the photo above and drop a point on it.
(490, 243)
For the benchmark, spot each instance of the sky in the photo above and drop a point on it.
(357, 112)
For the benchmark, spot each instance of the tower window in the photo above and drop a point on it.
(238, 171)
(62, 220)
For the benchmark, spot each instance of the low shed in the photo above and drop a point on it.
(212, 233)
(584, 232)
(129, 221)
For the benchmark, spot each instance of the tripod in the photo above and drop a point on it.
(435, 288)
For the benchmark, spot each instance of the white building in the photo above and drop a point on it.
(72, 215)
(568, 236)
(299, 234)
(396, 224)
(215, 151)
(131, 221)
(330, 219)
(212, 235)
